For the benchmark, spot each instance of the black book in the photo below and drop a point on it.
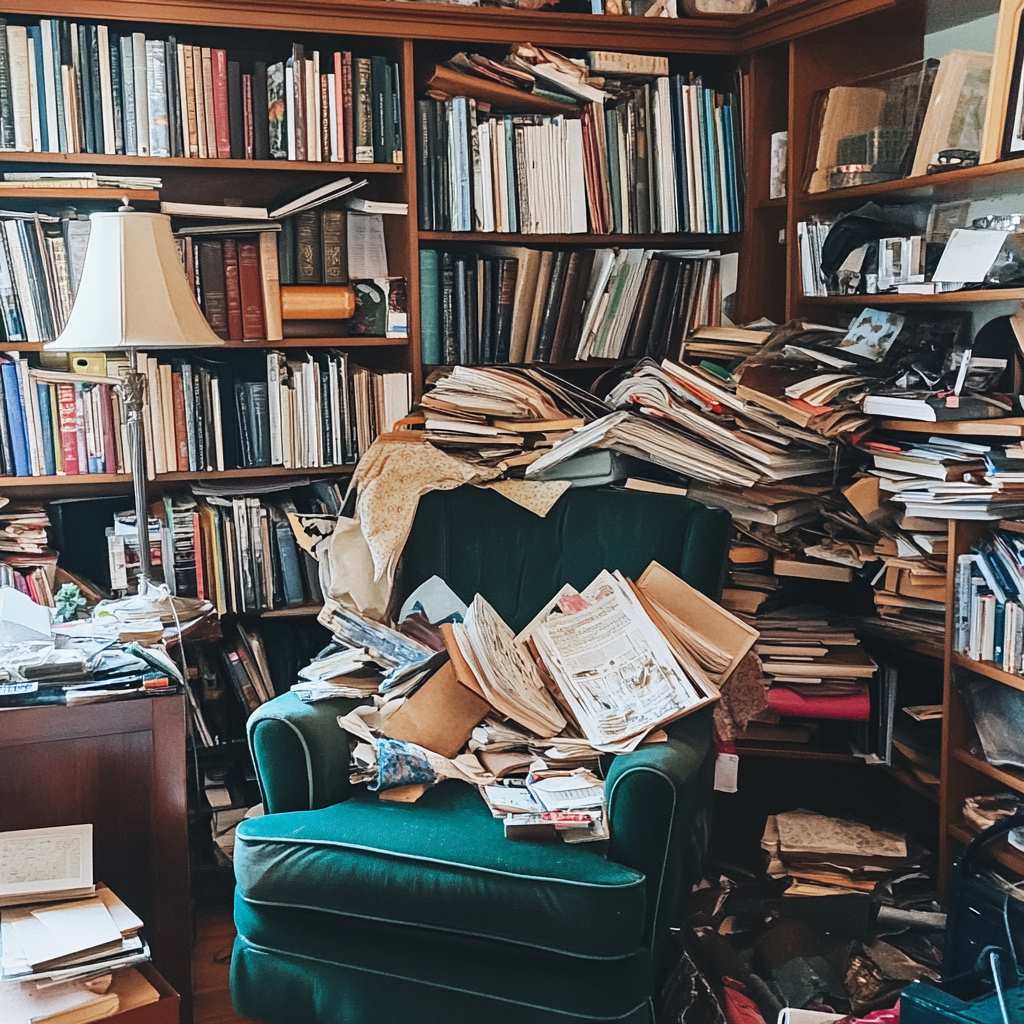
(116, 87)
(473, 311)
(7, 139)
(260, 122)
(678, 310)
(449, 334)
(679, 150)
(85, 62)
(552, 306)
(487, 268)
(381, 104)
(259, 421)
(326, 433)
(97, 89)
(215, 296)
(308, 248)
(461, 311)
(443, 213)
(174, 126)
(643, 191)
(221, 375)
(388, 111)
(643, 313)
(667, 292)
(236, 123)
(396, 110)
(199, 447)
(508, 273)
(242, 415)
(425, 164)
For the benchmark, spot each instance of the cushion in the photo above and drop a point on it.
(442, 863)
(300, 965)
(479, 542)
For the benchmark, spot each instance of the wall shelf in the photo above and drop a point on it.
(185, 163)
(519, 238)
(968, 295)
(987, 669)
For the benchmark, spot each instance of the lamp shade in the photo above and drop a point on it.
(133, 292)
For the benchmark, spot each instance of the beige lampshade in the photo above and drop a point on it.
(133, 292)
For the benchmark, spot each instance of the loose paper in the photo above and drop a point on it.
(367, 252)
(969, 254)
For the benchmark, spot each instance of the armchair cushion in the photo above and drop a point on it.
(442, 863)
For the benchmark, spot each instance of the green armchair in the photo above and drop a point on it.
(354, 911)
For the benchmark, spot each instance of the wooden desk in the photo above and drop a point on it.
(121, 766)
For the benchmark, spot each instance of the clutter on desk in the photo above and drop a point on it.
(67, 943)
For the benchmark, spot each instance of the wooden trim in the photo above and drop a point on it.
(969, 295)
(790, 19)
(518, 238)
(255, 346)
(115, 160)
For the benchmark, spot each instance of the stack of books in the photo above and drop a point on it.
(80, 180)
(538, 143)
(26, 561)
(551, 306)
(61, 931)
(88, 88)
(988, 615)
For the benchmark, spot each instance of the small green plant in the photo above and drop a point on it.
(67, 601)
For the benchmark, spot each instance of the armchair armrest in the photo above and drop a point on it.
(658, 802)
(300, 753)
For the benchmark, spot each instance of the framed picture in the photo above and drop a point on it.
(1004, 84)
(944, 217)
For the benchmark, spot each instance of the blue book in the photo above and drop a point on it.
(53, 33)
(35, 33)
(710, 153)
(15, 417)
(510, 173)
(46, 429)
(462, 128)
(1000, 626)
(730, 171)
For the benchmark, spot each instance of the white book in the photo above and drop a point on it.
(156, 91)
(332, 117)
(577, 175)
(70, 107)
(274, 406)
(672, 191)
(287, 433)
(167, 411)
(142, 138)
(312, 92)
(32, 420)
(33, 92)
(483, 179)
(131, 141)
(334, 396)
(21, 99)
(50, 84)
(499, 171)
(218, 431)
(106, 89)
(155, 418)
(289, 106)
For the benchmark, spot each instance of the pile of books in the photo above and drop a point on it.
(318, 410)
(68, 944)
(87, 88)
(41, 260)
(823, 856)
(988, 612)
(26, 561)
(551, 306)
(80, 179)
(58, 423)
(502, 416)
(540, 143)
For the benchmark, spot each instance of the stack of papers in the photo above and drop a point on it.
(551, 804)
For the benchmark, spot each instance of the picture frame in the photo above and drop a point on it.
(943, 218)
(1004, 85)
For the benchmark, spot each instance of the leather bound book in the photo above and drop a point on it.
(270, 282)
(566, 311)
(232, 290)
(253, 324)
(221, 116)
(381, 102)
(211, 273)
(449, 335)
(347, 106)
(317, 328)
(567, 343)
(236, 114)
(308, 249)
(508, 272)
(334, 246)
(639, 331)
(209, 103)
(362, 110)
(248, 129)
(180, 430)
(298, 130)
(447, 81)
(678, 313)
(67, 412)
(667, 292)
(325, 120)
(552, 305)
(260, 120)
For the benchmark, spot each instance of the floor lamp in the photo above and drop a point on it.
(134, 296)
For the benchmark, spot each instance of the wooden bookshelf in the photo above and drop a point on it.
(82, 195)
(1008, 779)
(1000, 851)
(92, 480)
(256, 346)
(520, 238)
(988, 670)
(968, 295)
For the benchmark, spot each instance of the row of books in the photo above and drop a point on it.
(33, 580)
(76, 87)
(988, 618)
(655, 155)
(518, 305)
(316, 410)
(41, 261)
(312, 411)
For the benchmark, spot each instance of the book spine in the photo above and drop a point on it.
(270, 286)
(235, 112)
(131, 136)
(308, 269)
(348, 106)
(69, 428)
(17, 51)
(141, 75)
(248, 128)
(380, 108)
(209, 94)
(325, 119)
(103, 80)
(286, 251)
(362, 110)
(116, 92)
(221, 108)
(175, 135)
(232, 290)
(397, 126)
(8, 139)
(190, 113)
(333, 243)
(430, 307)
(299, 127)
(253, 323)
(214, 293)
(260, 111)
(276, 107)
(156, 91)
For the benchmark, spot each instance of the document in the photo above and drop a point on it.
(37, 862)
(969, 255)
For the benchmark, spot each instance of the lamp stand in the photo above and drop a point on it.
(132, 390)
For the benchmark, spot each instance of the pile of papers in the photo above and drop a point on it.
(825, 856)
(79, 179)
(67, 944)
(501, 416)
(526, 716)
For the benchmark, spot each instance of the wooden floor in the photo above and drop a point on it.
(210, 958)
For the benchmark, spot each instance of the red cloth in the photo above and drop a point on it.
(790, 704)
(739, 1008)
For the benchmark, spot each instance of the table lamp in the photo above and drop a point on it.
(134, 296)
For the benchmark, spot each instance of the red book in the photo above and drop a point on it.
(197, 544)
(236, 332)
(247, 124)
(789, 704)
(107, 427)
(253, 326)
(346, 97)
(67, 412)
(339, 106)
(220, 103)
(180, 430)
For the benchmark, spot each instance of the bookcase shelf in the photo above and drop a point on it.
(999, 851)
(93, 480)
(519, 238)
(1009, 779)
(109, 160)
(137, 195)
(988, 670)
(968, 295)
(256, 346)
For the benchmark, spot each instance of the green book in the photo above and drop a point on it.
(430, 307)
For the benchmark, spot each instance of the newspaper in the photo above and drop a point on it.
(614, 668)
